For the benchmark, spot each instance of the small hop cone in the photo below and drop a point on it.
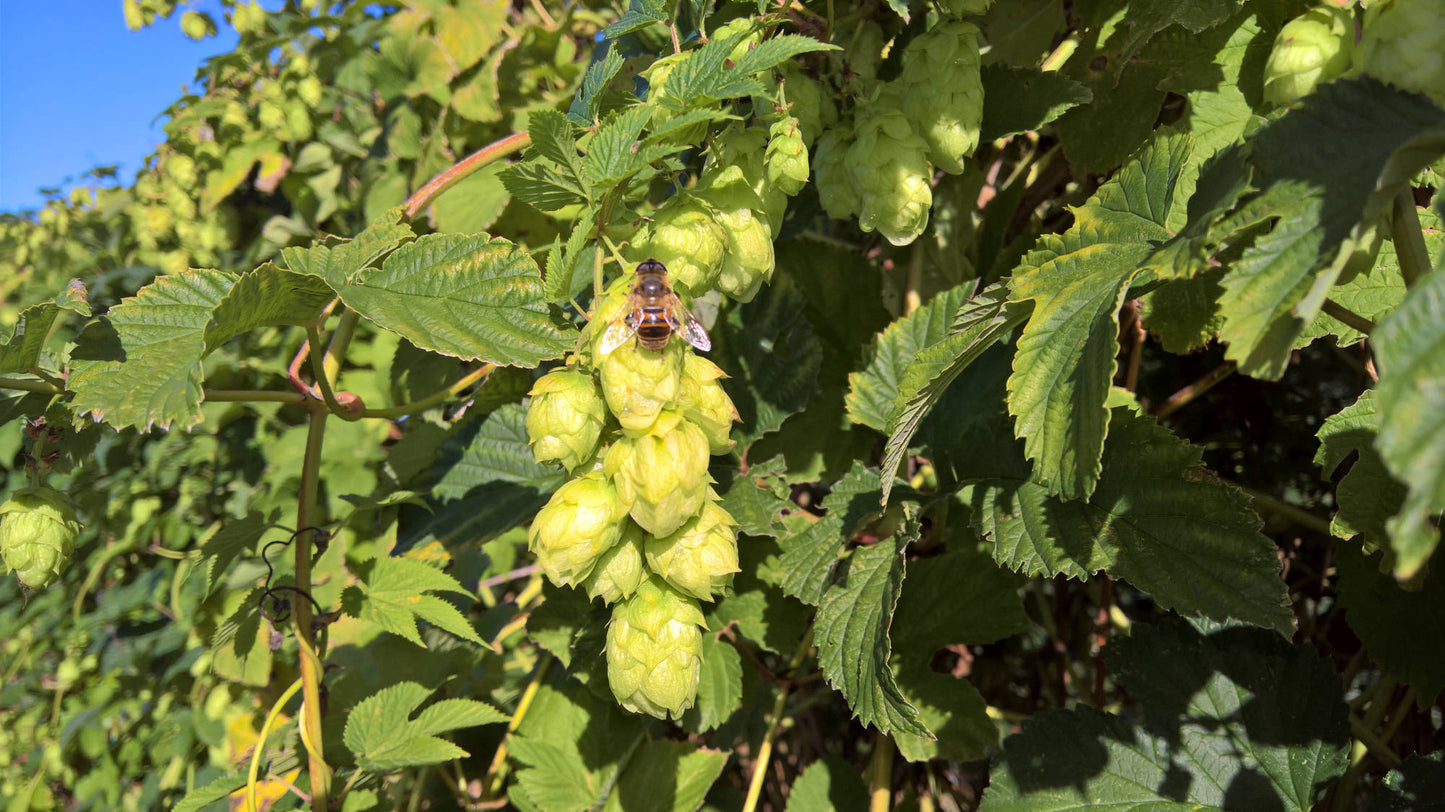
(620, 570)
(943, 91)
(38, 530)
(749, 259)
(654, 650)
(1315, 47)
(890, 167)
(565, 418)
(742, 152)
(738, 25)
(1404, 44)
(661, 476)
(686, 237)
(836, 188)
(787, 156)
(639, 383)
(581, 521)
(706, 404)
(656, 77)
(701, 558)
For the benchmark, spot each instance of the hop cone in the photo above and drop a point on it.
(836, 187)
(1404, 44)
(1315, 47)
(654, 650)
(661, 476)
(685, 236)
(943, 92)
(741, 153)
(748, 262)
(656, 76)
(38, 530)
(704, 403)
(890, 167)
(581, 521)
(565, 417)
(701, 557)
(639, 383)
(620, 569)
(787, 156)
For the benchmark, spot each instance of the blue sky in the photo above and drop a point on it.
(78, 89)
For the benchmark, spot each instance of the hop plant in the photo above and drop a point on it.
(565, 417)
(942, 91)
(890, 171)
(639, 383)
(38, 530)
(661, 476)
(787, 156)
(685, 236)
(705, 404)
(620, 570)
(1404, 44)
(654, 650)
(581, 521)
(749, 259)
(1315, 47)
(701, 557)
(739, 154)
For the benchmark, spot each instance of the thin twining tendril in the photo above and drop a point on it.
(278, 611)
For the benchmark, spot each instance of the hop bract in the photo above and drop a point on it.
(705, 403)
(686, 237)
(701, 557)
(661, 476)
(565, 417)
(639, 383)
(1315, 47)
(1404, 44)
(620, 569)
(38, 530)
(654, 650)
(890, 170)
(943, 91)
(581, 521)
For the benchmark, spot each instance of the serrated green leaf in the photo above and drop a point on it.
(140, 365)
(639, 15)
(1183, 314)
(570, 743)
(666, 776)
(215, 790)
(1023, 99)
(541, 187)
(719, 688)
(851, 631)
(872, 390)
(1374, 604)
(474, 297)
(769, 350)
(1410, 349)
(396, 595)
(337, 262)
(604, 67)
(1065, 361)
(762, 613)
(829, 784)
(1236, 719)
(809, 556)
(21, 352)
(951, 709)
(552, 138)
(1417, 785)
(980, 323)
(757, 499)
(773, 52)
(565, 266)
(228, 539)
(574, 629)
(236, 167)
(1367, 495)
(1157, 520)
(491, 450)
(267, 297)
(616, 152)
(384, 737)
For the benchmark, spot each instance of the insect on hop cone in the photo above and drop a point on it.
(654, 650)
(565, 417)
(581, 521)
(1315, 47)
(38, 530)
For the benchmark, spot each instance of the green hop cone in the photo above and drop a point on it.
(943, 91)
(581, 521)
(654, 650)
(836, 187)
(1315, 47)
(685, 236)
(890, 167)
(639, 383)
(661, 476)
(787, 156)
(565, 417)
(620, 569)
(749, 259)
(1404, 44)
(751, 36)
(38, 530)
(705, 403)
(739, 154)
(808, 101)
(701, 558)
(668, 106)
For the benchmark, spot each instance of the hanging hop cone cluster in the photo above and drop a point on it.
(38, 530)
(638, 524)
(1315, 47)
(879, 164)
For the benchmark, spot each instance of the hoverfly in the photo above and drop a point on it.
(653, 313)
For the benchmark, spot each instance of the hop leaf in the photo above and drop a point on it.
(705, 403)
(639, 383)
(38, 530)
(1315, 47)
(654, 650)
(701, 557)
(787, 157)
(1403, 43)
(581, 521)
(620, 570)
(943, 91)
(890, 169)
(661, 476)
(686, 237)
(565, 417)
